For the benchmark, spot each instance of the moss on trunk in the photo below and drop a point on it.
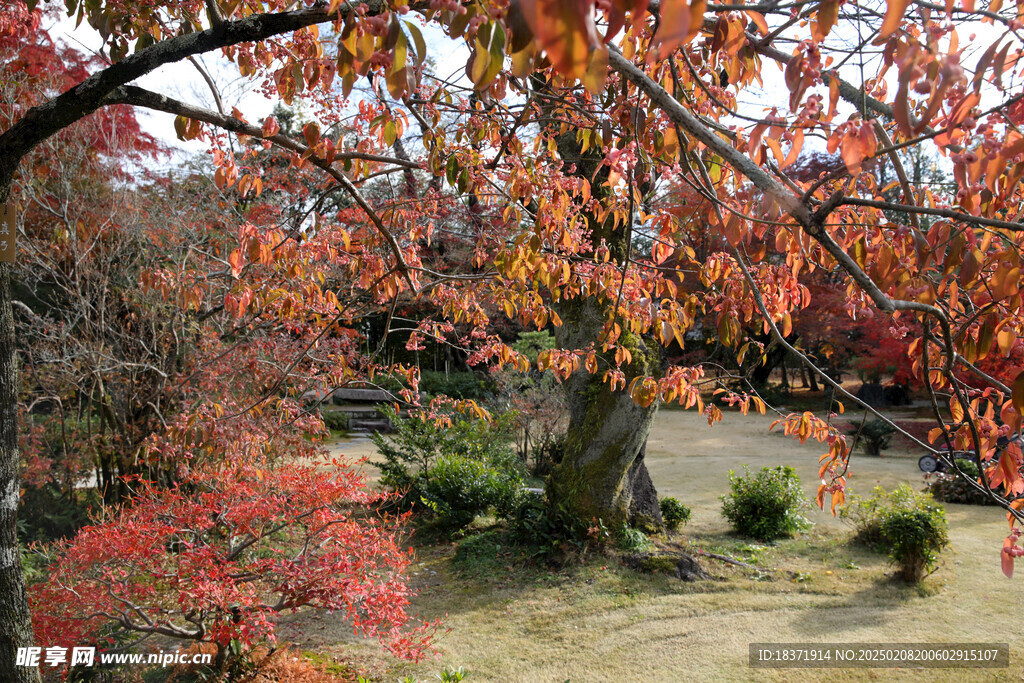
(599, 476)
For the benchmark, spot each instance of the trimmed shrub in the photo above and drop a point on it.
(949, 487)
(673, 513)
(908, 526)
(335, 420)
(875, 436)
(457, 489)
(457, 472)
(461, 385)
(767, 506)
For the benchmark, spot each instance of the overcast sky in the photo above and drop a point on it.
(182, 81)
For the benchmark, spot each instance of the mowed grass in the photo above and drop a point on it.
(511, 620)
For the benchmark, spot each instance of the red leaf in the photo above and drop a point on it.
(1018, 393)
(311, 131)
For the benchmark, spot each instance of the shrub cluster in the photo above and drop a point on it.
(874, 435)
(461, 385)
(908, 526)
(553, 531)
(335, 420)
(767, 506)
(673, 513)
(456, 471)
(949, 487)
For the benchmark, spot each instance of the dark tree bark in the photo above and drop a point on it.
(814, 381)
(15, 623)
(775, 355)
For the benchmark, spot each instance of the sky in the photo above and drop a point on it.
(182, 80)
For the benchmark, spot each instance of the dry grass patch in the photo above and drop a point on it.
(512, 620)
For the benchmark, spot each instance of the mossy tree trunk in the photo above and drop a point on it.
(602, 474)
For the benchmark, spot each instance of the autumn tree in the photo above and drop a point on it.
(552, 151)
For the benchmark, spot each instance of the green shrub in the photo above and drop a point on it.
(865, 514)
(952, 488)
(457, 472)
(462, 385)
(908, 526)
(335, 420)
(766, 506)
(875, 436)
(673, 513)
(968, 467)
(457, 489)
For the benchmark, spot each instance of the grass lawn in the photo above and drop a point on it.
(509, 620)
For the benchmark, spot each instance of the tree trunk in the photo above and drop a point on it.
(15, 624)
(602, 474)
(814, 381)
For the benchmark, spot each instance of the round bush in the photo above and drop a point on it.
(458, 489)
(914, 538)
(875, 436)
(950, 487)
(909, 526)
(673, 513)
(766, 506)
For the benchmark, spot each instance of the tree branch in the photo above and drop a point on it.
(40, 122)
(678, 114)
(140, 97)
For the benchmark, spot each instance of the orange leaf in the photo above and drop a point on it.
(674, 27)
(565, 29)
(893, 17)
(235, 259)
(759, 21)
(733, 230)
(828, 13)
(597, 70)
(1018, 393)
